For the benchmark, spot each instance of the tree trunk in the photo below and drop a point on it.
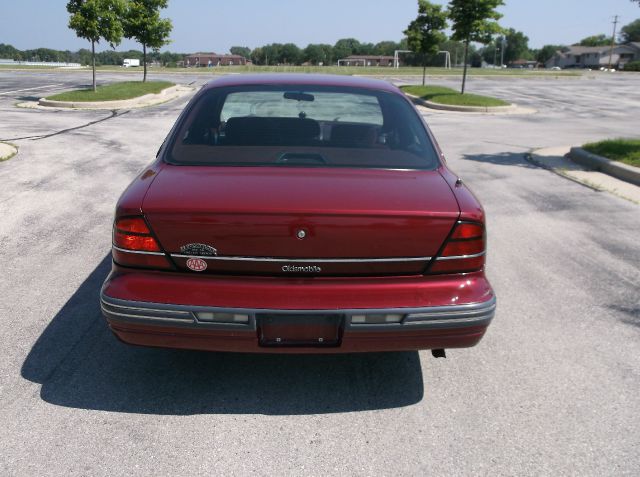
(93, 61)
(464, 73)
(424, 70)
(144, 58)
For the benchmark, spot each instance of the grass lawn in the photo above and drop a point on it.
(114, 91)
(444, 95)
(623, 150)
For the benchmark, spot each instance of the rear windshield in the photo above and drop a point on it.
(302, 126)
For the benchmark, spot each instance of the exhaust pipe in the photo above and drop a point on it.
(439, 353)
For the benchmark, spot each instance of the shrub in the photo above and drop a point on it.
(632, 66)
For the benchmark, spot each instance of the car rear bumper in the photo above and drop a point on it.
(145, 308)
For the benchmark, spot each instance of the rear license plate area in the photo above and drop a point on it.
(299, 329)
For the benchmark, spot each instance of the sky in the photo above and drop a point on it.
(201, 25)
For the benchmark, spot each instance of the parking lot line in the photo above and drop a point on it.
(30, 89)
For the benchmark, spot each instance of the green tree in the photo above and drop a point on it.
(473, 20)
(328, 54)
(290, 54)
(346, 47)
(241, 51)
(271, 54)
(84, 56)
(386, 48)
(490, 53)
(170, 59)
(318, 53)
(596, 40)
(8, 51)
(143, 23)
(424, 34)
(94, 20)
(631, 32)
(366, 49)
(257, 56)
(547, 52)
(516, 47)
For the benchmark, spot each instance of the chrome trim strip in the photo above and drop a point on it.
(306, 260)
(139, 252)
(148, 317)
(458, 257)
(174, 312)
(448, 316)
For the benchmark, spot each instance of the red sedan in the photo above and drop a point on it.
(299, 214)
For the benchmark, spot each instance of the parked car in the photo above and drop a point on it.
(299, 214)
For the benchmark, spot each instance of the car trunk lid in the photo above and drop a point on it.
(300, 220)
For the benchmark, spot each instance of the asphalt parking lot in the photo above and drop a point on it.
(554, 387)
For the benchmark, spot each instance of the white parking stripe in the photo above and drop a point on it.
(30, 89)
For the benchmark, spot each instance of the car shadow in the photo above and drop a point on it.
(80, 364)
(501, 159)
(28, 98)
(631, 314)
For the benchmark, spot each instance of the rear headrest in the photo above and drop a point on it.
(255, 130)
(353, 135)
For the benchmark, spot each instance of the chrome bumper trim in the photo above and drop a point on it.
(138, 252)
(458, 257)
(436, 317)
(306, 260)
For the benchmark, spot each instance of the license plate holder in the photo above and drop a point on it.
(315, 330)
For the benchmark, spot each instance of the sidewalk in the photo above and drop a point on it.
(554, 159)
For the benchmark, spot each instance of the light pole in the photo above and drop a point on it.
(613, 41)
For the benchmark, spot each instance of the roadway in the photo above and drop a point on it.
(554, 387)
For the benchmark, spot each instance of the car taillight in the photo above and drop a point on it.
(464, 251)
(132, 233)
(135, 246)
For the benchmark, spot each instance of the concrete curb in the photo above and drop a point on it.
(557, 160)
(465, 109)
(7, 151)
(163, 96)
(613, 168)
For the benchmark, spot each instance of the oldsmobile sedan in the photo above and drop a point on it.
(299, 214)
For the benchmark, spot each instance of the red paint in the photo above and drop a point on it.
(346, 213)
(247, 342)
(296, 293)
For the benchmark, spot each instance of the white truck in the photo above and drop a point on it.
(127, 62)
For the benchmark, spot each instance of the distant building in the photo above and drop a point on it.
(595, 57)
(523, 64)
(367, 60)
(204, 60)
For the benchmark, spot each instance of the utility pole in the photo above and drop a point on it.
(613, 40)
(504, 41)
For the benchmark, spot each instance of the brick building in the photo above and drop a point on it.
(203, 60)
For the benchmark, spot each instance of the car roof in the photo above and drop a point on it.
(302, 79)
